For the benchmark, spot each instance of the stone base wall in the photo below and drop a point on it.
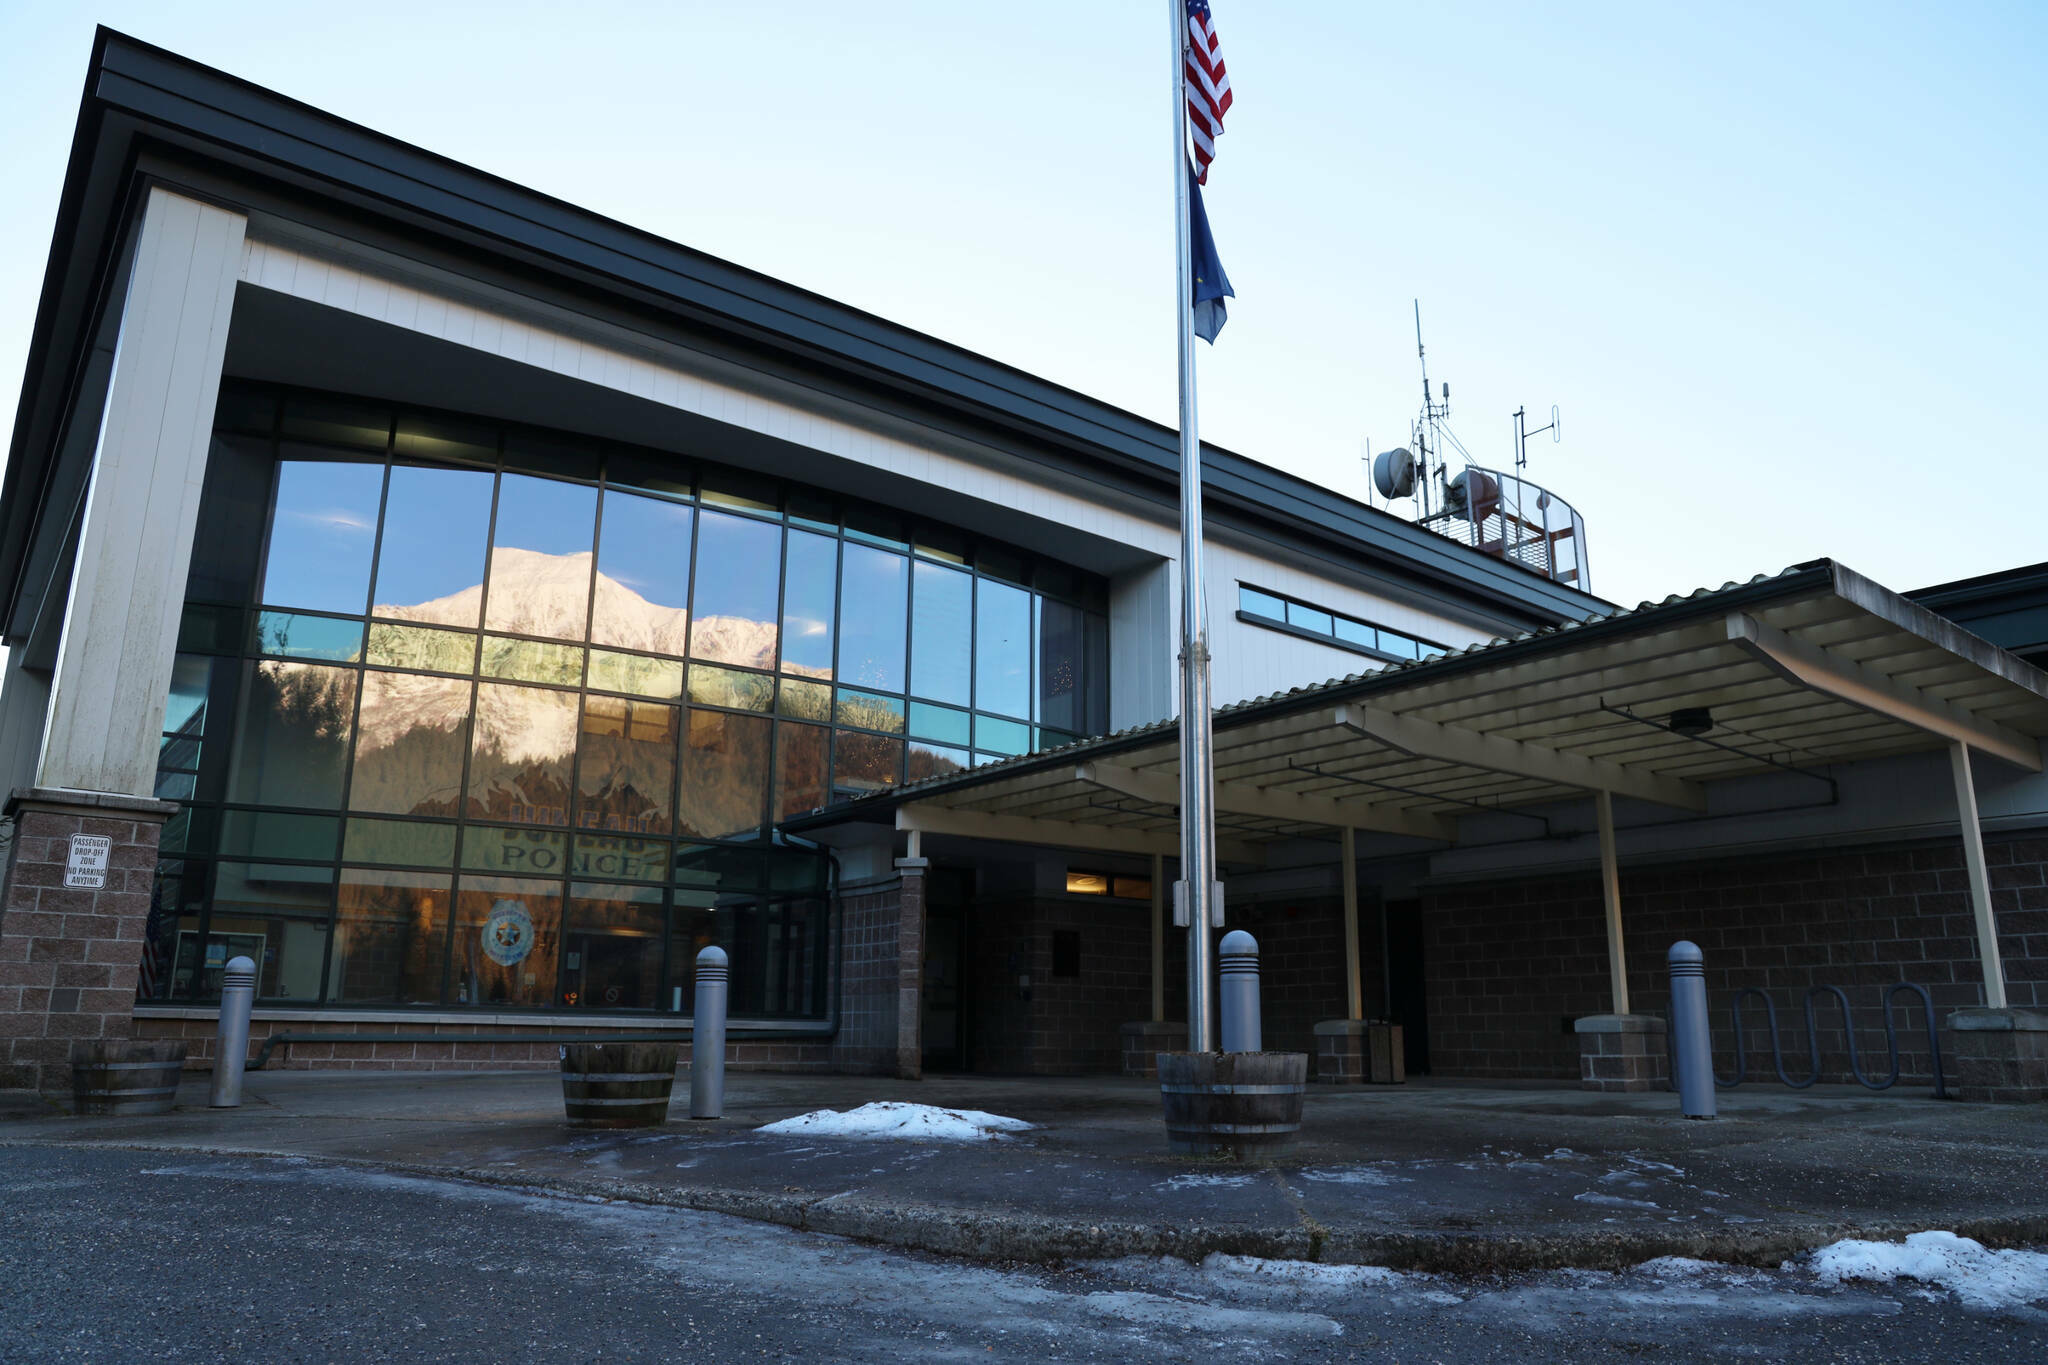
(449, 1051)
(1510, 965)
(69, 956)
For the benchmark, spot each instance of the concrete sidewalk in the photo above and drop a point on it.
(1438, 1176)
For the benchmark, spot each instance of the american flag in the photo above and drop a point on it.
(1208, 87)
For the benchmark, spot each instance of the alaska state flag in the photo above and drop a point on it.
(1211, 285)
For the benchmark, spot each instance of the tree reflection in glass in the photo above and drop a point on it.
(541, 558)
(738, 581)
(519, 764)
(725, 775)
(643, 575)
(430, 566)
(291, 740)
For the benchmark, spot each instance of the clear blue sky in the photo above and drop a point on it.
(1781, 266)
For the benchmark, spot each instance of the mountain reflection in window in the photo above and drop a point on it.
(736, 590)
(410, 742)
(519, 759)
(643, 575)
(430, 566)
(541, 558)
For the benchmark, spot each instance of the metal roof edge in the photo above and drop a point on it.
(1493, 653)
(1936, 629)
(151, 85)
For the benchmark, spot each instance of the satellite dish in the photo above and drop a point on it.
(1474, 495)
(1393, 472)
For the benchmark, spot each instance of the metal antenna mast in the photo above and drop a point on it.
(1429, 427)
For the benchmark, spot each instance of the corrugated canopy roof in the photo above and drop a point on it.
(1813, 667)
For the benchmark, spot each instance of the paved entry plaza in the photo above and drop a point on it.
(1430, 1175)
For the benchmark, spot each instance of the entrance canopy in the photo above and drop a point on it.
(1813, 667)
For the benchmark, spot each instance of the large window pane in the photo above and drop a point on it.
(507, 933)
(738, 580)
(531, 661)
(810, 589)
(800, 784)
(611, 953)
(942, 637)
(778, 951)
(541, 557)
(1002, 649)
(431, 564)
(519, 762)
(626, 767)
(278, 916)
(933, 760)
(643, 574)
(322, 535)
(232, 508)
(292, 738)
(409, 745)
(390, 938)
(865, 763)
(618, 855)
(635, 673)
(295, 635)
(725, 775)
(423, 648)
(1062, 703)
(872, 618)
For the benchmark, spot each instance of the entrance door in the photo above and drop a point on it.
(943, 1043)
(1405, 1004)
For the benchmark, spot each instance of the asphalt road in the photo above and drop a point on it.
(111, 1255)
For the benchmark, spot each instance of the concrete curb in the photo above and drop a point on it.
(1037, 1239)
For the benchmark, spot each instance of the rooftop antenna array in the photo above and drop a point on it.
(1501, 514)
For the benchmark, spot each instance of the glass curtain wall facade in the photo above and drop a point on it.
(467, 715)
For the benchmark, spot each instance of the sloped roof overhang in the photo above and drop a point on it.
(150, 115)
(1815, 667)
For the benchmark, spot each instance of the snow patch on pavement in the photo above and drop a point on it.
(1197, 1180)
(1613, 1201)
(1976, 1275)
(894, 1119)
(1351, 1175)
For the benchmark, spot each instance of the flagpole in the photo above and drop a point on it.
(1197, 766)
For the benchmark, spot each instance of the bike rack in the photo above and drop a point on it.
(1841, 998)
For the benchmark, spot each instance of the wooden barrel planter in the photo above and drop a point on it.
(617, 1085)
(1231, 1103)
(125, 1077)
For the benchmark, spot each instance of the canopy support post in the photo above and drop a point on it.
(1610, 893)
(1980, 877)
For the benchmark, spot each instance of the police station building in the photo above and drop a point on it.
(468, 608)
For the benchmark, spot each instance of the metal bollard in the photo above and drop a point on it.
(231, 1054)
(1239, 973)
(707, 1036)
(1692, 1050)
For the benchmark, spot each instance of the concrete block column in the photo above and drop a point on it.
(69, 955)
(1997, 1055)
(120, 636)
(1622, 1052)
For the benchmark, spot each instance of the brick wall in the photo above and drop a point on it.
(1072, 1025)
(69, 956)
(1508, 961)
